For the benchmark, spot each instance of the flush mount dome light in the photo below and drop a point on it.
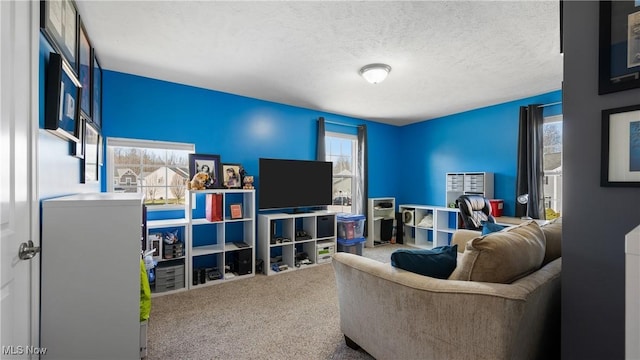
(375, 73)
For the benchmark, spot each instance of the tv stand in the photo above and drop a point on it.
(281, 246)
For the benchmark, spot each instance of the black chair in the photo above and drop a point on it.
(474, 210)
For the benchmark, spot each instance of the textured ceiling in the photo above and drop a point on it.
(446, 57)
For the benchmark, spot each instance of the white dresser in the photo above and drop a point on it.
(90, 276)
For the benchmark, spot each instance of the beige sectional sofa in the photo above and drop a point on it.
(501, 302)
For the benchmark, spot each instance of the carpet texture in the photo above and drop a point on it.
(292, 315)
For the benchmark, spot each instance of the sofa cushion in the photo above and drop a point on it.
(438, 262)
(553, 235)
(489, 227)
(504, 256)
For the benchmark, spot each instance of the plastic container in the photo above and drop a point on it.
(350, 226)
(353, 246)
(496, 207)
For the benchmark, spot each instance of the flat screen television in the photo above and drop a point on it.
(294, 184)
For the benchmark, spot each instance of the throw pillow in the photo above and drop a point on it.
(503, 256)
(438, 262)
(489, 227)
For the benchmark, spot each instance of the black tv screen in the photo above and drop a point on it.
(291, 184)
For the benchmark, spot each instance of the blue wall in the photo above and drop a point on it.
(478, 140)
(239, 129)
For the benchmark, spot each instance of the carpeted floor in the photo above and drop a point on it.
(291, 315)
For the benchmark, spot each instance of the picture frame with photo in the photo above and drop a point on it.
(90, 170)
(619, 46)
(84, 69)
(59, 24)
(620, 154)
(206, 163)
(235, 211)
(62, 96)
(231, 177)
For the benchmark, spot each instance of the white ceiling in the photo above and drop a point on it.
(446, 56)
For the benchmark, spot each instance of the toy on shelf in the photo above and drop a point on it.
(199, 181)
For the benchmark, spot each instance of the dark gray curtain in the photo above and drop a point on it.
(362, 184)
(530, 174)
(320, 146)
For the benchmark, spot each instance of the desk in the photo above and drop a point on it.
(510, 221)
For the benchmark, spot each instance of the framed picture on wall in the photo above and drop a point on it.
(96, 92)
(231, 176)
(620, 160)
(209, 164)
(619, 54)
(58, 22)
(77, 148)
(63, 91)
(84, 69)
(90, 173)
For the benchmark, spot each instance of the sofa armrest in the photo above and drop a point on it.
(461, 236)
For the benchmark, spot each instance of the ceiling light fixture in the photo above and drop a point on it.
(375, 73)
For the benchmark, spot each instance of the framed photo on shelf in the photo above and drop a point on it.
(236, 211)
(58, 21)
(620, 160)
(231, 176)
(84, 69)
(619, 53)
(90, 170)
(63, 91)
(96, 91)
(209, 164)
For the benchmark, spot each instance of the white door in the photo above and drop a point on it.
(19, 279)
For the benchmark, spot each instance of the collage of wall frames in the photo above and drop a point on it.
(619, 70)
(73, 86)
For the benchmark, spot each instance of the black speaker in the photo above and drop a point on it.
(244, 261)
(325, 226)
(195, 277)
(399, 228)
(386, 229)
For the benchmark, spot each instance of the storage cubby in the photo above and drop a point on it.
(284, 237)
(214, 243)
(428, 226)
(170, 272)
(380, 218)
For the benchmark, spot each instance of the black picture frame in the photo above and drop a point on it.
(77, 148)
(90, 169)
(620, 154)
(59, 24)
(96, 91)
(212, 162)
(619, 58)
(85, 68)
(63, 90)
(231, 178)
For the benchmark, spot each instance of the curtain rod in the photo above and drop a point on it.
(338, 123)
(551, 104)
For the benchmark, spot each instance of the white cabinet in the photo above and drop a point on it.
(90, 276)
(380, 210)
(480, 183)
(221, 249)
(296, 241)
(428, 226)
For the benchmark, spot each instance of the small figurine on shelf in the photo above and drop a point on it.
(248, 182)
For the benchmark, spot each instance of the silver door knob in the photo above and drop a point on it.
(27, 251)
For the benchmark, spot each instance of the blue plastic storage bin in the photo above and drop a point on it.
(350, 226)
(353, 246)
